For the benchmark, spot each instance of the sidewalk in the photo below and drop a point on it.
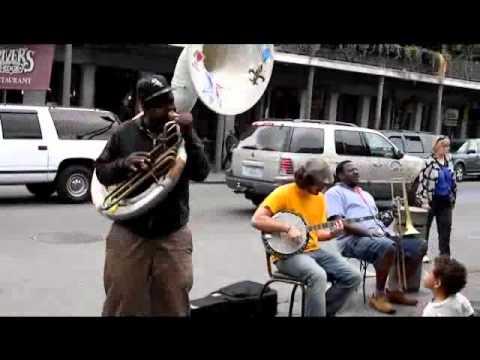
(215, 178)
(356, 308)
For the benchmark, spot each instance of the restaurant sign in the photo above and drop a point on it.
(26, 67)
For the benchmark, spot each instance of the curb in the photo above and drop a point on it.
(210, 182)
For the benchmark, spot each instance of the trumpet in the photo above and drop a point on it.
(409, 228)
(401, 231)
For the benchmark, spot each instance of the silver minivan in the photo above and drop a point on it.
(269, 157)
(415, 143)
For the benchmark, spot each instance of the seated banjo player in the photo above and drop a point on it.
(314, 266)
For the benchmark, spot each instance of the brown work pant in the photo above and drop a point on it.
(147, 276)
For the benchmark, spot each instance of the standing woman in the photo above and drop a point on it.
(437, 190)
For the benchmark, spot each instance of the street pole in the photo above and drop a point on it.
(308, 102)
(269, 99)
(67, 75)
(378, 110)
(438, 117)
(4, 96)
(219, 142)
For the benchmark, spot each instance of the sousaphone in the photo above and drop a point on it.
(229, 80)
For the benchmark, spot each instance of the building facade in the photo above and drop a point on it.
(313, 81)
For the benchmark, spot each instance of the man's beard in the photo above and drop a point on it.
(351, 183)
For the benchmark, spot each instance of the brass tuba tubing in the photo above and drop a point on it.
(161, 163)
(126, 189)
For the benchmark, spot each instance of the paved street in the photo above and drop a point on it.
(51, 255)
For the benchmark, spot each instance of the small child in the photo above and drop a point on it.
(446, 279)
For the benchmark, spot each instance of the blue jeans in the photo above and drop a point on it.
(372, 249)
(315, 268)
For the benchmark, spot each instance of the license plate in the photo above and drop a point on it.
(252, 171)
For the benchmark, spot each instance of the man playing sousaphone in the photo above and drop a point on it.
(149, 257)
(315, 266)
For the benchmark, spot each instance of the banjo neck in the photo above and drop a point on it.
(329, 224)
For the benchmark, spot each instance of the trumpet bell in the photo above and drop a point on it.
(410, 230)
(418, 219)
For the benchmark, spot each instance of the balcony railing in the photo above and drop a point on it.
(388, 56)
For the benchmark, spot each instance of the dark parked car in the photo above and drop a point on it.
(466, 159)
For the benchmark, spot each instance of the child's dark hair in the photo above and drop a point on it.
(452, 274)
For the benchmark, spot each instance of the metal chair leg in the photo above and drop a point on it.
(260, 306)
(295, 284)
(365, 266)
(292, 299)
(303, 301)
(265, 287)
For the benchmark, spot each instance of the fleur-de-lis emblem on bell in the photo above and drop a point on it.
(257, 74)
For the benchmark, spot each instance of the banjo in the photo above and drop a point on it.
(280, 245)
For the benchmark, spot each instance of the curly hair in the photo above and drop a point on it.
(452, 274)
(302, 178)
(312, 172)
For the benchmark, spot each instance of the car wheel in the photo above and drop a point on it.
(73, 184)
(42, 191)
(459, 172)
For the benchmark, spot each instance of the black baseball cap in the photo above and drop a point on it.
(152, 87)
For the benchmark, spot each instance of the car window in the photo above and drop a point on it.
(268, 138)
(350, 143)
(20, 125)
(378, 145)
(307, 140)
(413, 144)
(463, 149)
(472, 146)
(397, 140)
(83, 124)
(455, 145)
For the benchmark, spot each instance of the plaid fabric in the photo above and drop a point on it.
(428, 179)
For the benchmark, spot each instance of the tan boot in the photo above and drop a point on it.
(398, 297)
(381, 304)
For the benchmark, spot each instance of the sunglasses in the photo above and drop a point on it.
(441, 138)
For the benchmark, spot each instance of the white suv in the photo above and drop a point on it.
(269, 156)
(52, 149)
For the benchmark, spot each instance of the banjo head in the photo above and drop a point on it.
(279, 244)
